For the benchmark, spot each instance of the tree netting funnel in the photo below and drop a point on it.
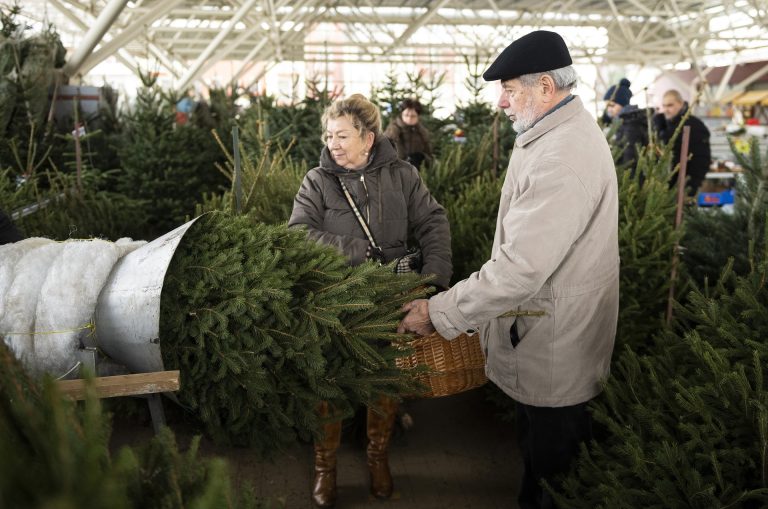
(128, 310)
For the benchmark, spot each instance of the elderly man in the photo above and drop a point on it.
(546, 303)
(673, 109)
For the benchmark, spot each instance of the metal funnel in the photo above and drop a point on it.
(128, 309)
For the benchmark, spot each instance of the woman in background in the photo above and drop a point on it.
(410, 137)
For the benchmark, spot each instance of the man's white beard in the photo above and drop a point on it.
(525, 119)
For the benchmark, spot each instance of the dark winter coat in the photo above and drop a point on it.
(632, 132)
(700, 155)
(394, 201)
(8, 232)
(411, 141)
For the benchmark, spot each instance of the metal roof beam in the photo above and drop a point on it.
(247, 35)
(123, 56)
(275, 28)
(727, 75)
(129, 33)
(752, 78)
(249, 59)
(106, 17)
(308, 18)
(194, 69)
(420, 22)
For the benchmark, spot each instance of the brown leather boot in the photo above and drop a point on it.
(324, 485)
(380, 422)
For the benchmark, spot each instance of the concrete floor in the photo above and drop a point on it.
(458, 454)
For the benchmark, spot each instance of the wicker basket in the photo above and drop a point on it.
(454, 366)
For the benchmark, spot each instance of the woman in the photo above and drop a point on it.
(411, 139)
(394, 202)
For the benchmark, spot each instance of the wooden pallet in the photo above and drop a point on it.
(123, 385)
(146, 385)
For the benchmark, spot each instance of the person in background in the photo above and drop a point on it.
(673, 109)
(184, 107)
(411, 139)
(394, 202)
(546, 302)
(8, 232)
(633, 128)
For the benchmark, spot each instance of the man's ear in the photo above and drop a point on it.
(548, 87)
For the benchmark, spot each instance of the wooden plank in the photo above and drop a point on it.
(123, 385)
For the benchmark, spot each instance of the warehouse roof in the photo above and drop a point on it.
(188, 36)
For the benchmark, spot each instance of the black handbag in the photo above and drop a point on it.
(409, 262)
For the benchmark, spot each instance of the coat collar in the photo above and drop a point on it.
(382, 153)
(550, 120)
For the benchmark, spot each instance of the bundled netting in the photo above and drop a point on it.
(37, 73)
(264, 324)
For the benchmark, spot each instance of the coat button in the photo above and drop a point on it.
(471, 331)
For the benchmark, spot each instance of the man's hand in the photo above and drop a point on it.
(417, 320)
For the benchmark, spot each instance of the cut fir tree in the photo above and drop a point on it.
(264, 324)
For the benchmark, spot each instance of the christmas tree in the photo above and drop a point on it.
(268, 184)
(168, 166)
(713, 236)
(54, 453)
(264, 324)
(687, 423)
(647, 239)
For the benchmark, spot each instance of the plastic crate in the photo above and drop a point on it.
(715, 199)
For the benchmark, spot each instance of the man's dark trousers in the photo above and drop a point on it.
(549, 439)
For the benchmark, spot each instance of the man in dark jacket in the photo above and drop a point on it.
(633, 130)
(673, 110)
(8, 232)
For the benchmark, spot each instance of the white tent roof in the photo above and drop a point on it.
(189, 36)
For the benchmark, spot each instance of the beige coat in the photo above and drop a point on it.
(555, 251)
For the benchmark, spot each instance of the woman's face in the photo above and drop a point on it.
(345, 144)
(409, 116)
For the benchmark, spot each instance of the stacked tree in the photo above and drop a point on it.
(647, 239)
(167, 166)
(714, 236)
(264, 324)
(687, 423)
(55, 454)
(465, 183)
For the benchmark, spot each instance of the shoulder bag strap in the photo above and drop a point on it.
(360, 218)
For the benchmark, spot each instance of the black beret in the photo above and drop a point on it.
(538, 51)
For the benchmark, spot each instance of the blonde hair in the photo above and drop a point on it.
(363, 114)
